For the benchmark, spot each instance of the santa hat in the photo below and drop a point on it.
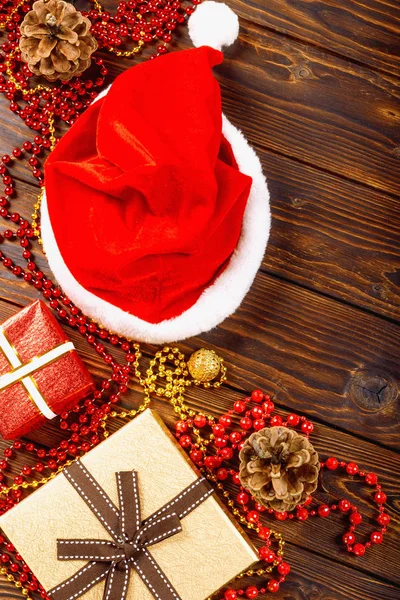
(156, 215)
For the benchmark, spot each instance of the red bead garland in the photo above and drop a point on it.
(222, 441)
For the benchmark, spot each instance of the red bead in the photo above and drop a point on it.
(246, 423)
(225, 420)
(302, 514)
(222, 474)
(257, 396)
(324, 510)
(258, 424)
(307, 427)
(235, 478)
(273, 585)
(293, 420)
(253, 516)
(383, 519)
(243, 498)
(284, 569)
(371, 478)
(196, 456)
(256, 412)
(268, 406)
(251, 591)
(380, 498)
(355, 518)
(376, 537)
(264, 533)
(239, 406)
(266, 554)
(280, 516)
(359, 549)
(352, 468)
(235, 437)
(218, 430)
(349, 538)
(220, 442)
(200, 421)
(185, 441)
(332, 463)
(344, 505)
(276, 421)
(230, 595)
(212, 462)
(226, 453)
(180, 427)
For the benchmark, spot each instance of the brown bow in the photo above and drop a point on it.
(113, 560)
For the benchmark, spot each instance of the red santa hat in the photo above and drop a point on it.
(156, 212)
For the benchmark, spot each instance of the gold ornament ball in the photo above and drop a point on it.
(204, 365)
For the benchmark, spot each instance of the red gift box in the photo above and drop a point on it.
(41, 374)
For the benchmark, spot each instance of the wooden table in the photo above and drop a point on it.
(315, 87)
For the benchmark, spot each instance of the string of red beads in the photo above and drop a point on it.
(223, 441)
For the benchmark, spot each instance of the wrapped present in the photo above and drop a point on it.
(131, 520)
(41, 374)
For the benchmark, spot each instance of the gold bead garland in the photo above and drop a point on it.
(170, 382)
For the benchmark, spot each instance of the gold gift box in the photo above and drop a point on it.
(208, 552)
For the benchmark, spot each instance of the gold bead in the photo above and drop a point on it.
(204, 365)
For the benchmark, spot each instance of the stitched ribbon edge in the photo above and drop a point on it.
(123, 525)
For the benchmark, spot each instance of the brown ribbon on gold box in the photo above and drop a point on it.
(114, 560)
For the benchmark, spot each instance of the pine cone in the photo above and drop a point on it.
(56, 41)
(279, 467)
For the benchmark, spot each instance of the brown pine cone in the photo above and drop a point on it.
(279, 467)
(56, 41)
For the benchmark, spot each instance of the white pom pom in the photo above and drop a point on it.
(213, 24)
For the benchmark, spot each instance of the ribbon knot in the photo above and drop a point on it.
(131, 550)
(114, 559)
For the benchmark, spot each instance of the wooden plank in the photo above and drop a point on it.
(311, 578)
(315, 578)
(367, 32)
(317, 535)
(333, 236)
(328, 234)
(320, 536)
(304, 103)
(329, 359)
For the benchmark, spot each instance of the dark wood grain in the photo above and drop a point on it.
(318, 536)
(304, 103)
(367, 32)
(327, 234)
(333, 236)
(314, 347)
(305, 582)
(327, 131)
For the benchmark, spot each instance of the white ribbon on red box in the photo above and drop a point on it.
(23, 373)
